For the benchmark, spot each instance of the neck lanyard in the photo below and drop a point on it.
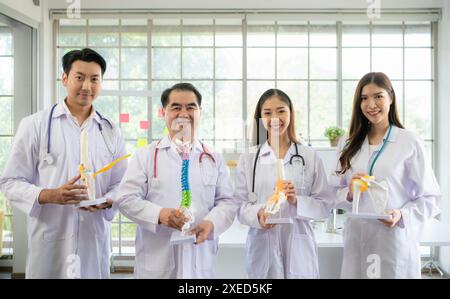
(381, 149)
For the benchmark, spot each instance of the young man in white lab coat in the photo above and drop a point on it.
(41, 177)
(150, 195)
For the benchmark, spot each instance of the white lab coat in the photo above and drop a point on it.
(287, 250)
(56, 232)
(140, 202)
(412, 188)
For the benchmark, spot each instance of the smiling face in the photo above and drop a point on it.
(182, 114)
(276, 116)
(375, 104)
(83, 83)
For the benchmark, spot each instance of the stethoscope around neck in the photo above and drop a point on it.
(154, 182)
(48, 156)
(252, 196)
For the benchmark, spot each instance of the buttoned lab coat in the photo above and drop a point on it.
(212, 199)
(371, 249)
(57, 234)
(287, 250)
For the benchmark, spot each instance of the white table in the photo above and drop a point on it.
(231, 260)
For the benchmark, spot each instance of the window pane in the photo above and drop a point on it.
(224, 147)
(140, 86)
(418, 108)
(254, 91)
(198, 63)
(5, 147)
(298, 93)
(228, 36)
(137, 108)
(292, 63)
(72, 33)
(323, 107)
(260, 36)
(260, 63)
(108, 106)
(229, 63)
(6, 115)
(115, 237)
(103, 32)
(6, 45)
(398, 89)
(6, 75)
(322, 36)
(387, 36)
(228, 120)
(355, 62)
(323, 64)
(388, 61)
(207, 120)
(418, 35)
(418, 64)
(292, 36)
(197, 36)
(134, 32)
(166, 36)
(158, 123)
(355, 36)
(128, 235)
(166, 63)
(61, 91)
(112, 62)
(348, 93)
(129, 68)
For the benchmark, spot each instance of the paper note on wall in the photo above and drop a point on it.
(141, 142)
(124, 117)
(144, 124)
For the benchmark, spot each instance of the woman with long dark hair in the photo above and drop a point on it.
(281, 250)
(378, 145)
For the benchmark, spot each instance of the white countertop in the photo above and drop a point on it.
(435, 234)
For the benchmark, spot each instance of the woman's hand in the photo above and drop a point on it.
(355, 176)
(396, 216)
(291, 195)
(262, 220)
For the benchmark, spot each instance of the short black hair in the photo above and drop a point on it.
(87, 55)
(180, 86)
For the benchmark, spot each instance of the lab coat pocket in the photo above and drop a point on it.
(258, 258)
(303, 257)
(159, 255)
(209, 173)
(206, 254)
(59, 222)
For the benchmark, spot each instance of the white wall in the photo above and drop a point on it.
(22, 10)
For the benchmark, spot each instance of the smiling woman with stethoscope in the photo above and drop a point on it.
(282, 250)
(378, 145)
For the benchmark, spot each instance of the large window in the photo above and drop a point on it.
(233, 60)
(6, 123)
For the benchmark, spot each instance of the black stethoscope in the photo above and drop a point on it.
(154, 183)
(252, 197)
(49, 157)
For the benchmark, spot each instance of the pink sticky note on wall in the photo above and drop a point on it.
(124, 117)
(144, 124)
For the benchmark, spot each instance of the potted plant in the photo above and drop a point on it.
(334, 134)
